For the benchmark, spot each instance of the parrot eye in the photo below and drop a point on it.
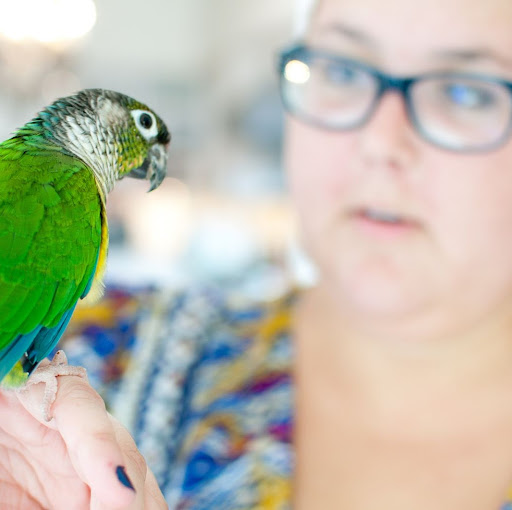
(146, 123)
(145, 120)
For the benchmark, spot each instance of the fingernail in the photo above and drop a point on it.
(123, 477)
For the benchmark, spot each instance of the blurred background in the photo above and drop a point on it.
(208, 68)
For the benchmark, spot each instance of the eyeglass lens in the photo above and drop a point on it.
(451, 110)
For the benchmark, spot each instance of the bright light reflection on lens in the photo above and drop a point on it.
(297, 72)
(46, 21)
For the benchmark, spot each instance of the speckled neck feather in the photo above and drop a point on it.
(87, 126)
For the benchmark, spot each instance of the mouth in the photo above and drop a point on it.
(383, 222)
(154, 167)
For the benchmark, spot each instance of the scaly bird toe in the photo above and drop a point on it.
(48, 374)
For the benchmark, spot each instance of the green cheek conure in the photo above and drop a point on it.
(55, 174)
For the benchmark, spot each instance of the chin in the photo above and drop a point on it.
(375, 292)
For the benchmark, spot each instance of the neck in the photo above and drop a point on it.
(100, 157)
(78, 137)
(396, 377)
(105, 173)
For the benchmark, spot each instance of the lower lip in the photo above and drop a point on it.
(383, 229)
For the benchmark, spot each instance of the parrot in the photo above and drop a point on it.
(55, 174)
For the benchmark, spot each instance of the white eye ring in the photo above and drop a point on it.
(146, 123)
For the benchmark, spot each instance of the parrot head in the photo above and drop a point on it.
(115, 135)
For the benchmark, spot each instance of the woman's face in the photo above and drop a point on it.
(451, 251)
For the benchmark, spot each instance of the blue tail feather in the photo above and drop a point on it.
(37, 345)
(45, 341)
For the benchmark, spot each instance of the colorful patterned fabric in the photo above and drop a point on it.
(204, 388)
(204, 385)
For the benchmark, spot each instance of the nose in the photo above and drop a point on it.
(388, 137)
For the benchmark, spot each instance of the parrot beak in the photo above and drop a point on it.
(157, 165)
(154, 168)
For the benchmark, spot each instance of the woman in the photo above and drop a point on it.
(398, 155)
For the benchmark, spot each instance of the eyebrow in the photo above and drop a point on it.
(351, 33)
(473, 55)
(456, 55)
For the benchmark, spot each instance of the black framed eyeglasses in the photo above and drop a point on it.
(464, 112)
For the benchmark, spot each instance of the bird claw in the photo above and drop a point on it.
(47, 373)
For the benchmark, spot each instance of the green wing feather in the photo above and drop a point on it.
(50, 234)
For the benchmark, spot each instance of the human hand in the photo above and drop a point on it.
(80, 459)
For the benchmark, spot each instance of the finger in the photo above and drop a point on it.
(80, 417)
(153, 497)
(149, 496)
(32, 398)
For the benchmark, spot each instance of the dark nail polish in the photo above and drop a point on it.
(123, 477)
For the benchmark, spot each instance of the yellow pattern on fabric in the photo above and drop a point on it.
(254, 361)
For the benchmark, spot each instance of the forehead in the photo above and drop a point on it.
(402, 30)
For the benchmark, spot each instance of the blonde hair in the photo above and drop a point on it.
(303, 11)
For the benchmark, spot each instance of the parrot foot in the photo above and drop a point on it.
(48, 373)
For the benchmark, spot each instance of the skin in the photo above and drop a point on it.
(69, 462)
(410, 330)
(386, 165)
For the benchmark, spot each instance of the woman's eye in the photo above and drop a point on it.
(342, 74)
(468, 96)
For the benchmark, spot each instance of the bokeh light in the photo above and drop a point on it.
(46, 21)
(297, 72)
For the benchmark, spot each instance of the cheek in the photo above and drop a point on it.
(476, 199)
(318, 169)
(471, 206)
